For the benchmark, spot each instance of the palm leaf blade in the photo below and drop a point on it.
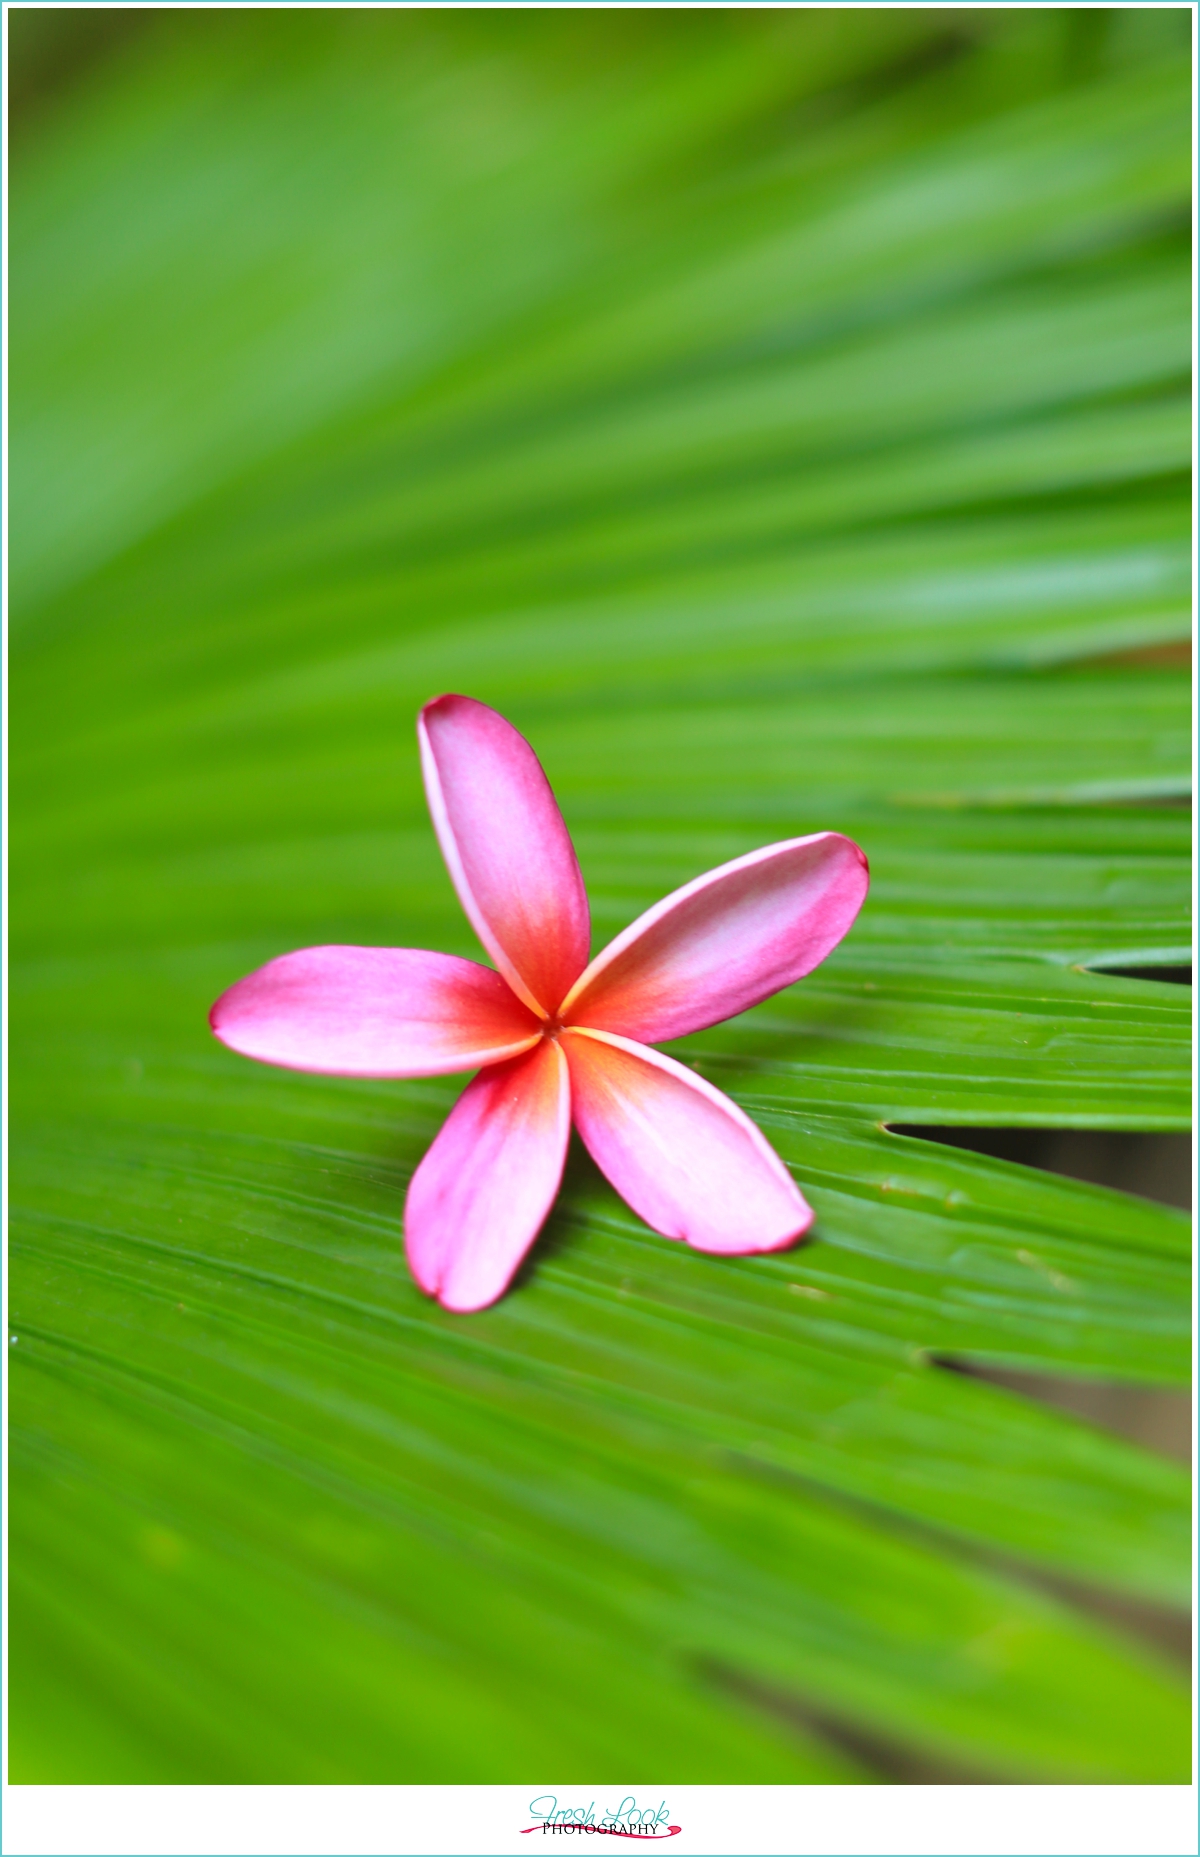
(771, 478)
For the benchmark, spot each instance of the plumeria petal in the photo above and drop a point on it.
(509, 853)
(724, 942)
(479, 1198)
(689, 1161)
(374, 1012)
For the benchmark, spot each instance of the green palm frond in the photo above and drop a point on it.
(783, 418)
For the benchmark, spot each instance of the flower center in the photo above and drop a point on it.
(551, 1027)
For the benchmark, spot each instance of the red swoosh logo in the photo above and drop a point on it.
(615, 1831)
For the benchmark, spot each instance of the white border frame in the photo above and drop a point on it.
(479, 1821)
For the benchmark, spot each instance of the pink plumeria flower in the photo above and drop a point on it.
(553, 1037)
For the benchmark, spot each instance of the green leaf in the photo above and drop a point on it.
(783, 420)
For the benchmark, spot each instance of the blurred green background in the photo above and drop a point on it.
(782, 417)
